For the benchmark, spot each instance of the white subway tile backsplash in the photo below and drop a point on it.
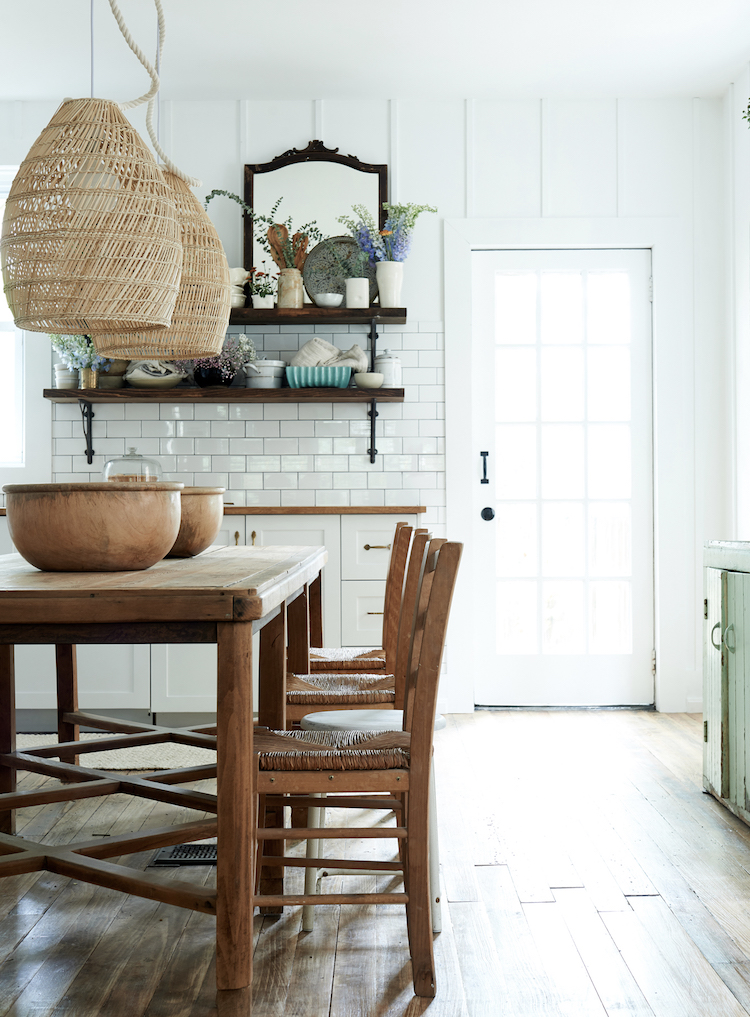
(245, 446)
(316, 446)
(297, 428)
(193, 429)
(339, 498)
(180, 411)
(331, 429)
(287, 453)
(262, 429)
(263, 464)
(280, 411)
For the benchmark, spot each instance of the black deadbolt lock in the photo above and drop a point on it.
(487, 514)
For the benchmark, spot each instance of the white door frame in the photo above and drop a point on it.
(677, 597)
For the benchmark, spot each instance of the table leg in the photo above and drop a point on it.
(236, 847)
(316, 611)
(67, 696)
(7, 729)
(299, 634)
(272, 713)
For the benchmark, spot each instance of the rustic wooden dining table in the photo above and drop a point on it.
(222, 596)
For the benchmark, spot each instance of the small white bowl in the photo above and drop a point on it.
(368, 379)
(328, 299)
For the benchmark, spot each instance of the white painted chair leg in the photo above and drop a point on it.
(316, 817)
(437, 918)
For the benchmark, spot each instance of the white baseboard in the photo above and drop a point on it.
(694, 704)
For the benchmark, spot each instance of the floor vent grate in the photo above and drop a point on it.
(186, 854)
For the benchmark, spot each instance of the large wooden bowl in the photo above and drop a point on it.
(97, 527)
(202, 515)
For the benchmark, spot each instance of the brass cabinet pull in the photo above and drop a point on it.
(376, 612)
(236, 538)
(253, 535)
(377, 547)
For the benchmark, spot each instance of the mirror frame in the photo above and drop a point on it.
(315, 152)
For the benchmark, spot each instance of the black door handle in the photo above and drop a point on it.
(484, 479)
(487, 514)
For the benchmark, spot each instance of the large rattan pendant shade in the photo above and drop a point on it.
(90, 239)
(201, 314)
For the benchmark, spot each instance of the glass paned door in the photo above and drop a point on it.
(562, 354)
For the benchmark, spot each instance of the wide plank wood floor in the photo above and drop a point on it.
(585, 874)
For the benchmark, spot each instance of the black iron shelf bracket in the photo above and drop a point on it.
(87, 415)
(372, 413)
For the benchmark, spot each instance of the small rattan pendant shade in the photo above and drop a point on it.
(201, 314)
(90, 239)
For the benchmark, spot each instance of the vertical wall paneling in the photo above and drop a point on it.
(358, 127)
(740, 133)
(393, 161)
(431, 170)
(469, 158)
(506, 157)
(579, 163)
(318, 128)
(655, 156)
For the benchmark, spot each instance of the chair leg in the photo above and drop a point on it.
(418, 911)
(316, 817)
(437, 918)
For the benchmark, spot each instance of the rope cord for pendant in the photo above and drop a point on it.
(149, 96)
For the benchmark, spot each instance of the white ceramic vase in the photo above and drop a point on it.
(357, 292)
(390, 277)
(259, 301)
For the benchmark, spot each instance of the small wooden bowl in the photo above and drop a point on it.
(97, 527)
(202, 515)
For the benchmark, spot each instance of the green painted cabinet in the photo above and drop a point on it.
(726, 675)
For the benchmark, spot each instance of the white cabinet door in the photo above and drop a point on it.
(232, 532)
(311, 531)
(362, 613)
(6, 544)
(715, 712)
(109, 677)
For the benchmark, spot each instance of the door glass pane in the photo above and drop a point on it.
(609, 538)
(608, 383)
(516, 461)
(562, 461)
(516, 539)
(563, 617)
(563, 383)
(516, 616)
(562, 307)
(515, 384)
(563, 541)
(608, 305)
(515, 307)
(610, 625)
(609, 461)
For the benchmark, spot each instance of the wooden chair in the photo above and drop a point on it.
(378, 658)
(388, 771)
(338, 690)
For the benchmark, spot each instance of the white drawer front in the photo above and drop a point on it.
(365, 545)
(362, 613)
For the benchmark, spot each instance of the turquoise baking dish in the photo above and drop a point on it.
(318, 377)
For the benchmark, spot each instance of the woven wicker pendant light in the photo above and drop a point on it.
(90, 239)
(201, 314)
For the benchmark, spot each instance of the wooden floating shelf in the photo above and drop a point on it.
(312, 315)
(220, 394)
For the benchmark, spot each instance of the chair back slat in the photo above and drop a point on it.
(430, 627)
(393, 591)
(408, 604)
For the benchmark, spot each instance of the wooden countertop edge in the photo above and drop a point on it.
(316, 510)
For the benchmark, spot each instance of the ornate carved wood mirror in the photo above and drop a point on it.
(316, 183)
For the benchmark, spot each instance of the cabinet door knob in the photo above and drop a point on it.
(253, 535)
(727, 630)
(377, 547)
(376, 612)
(236, 538)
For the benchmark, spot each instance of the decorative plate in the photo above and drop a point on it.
(318, 377)
(322, 273)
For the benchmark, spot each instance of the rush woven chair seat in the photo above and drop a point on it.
(354, 658)
(385, 771)
(348, 690)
